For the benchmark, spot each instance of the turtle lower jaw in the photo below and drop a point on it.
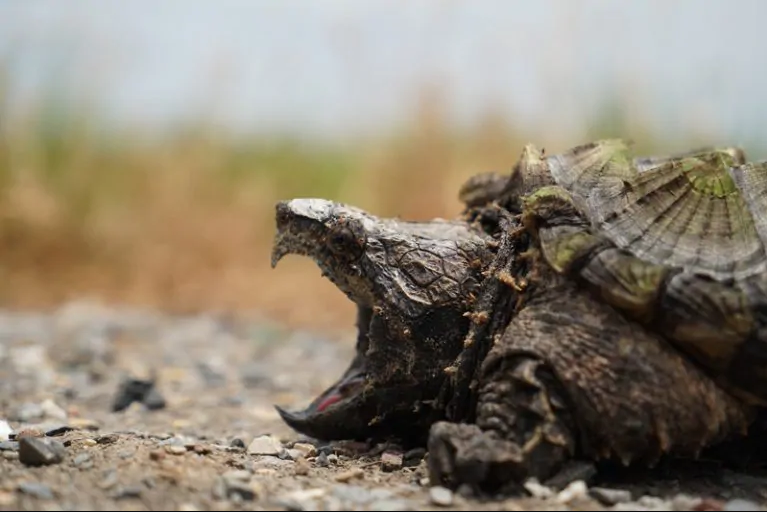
(338, 412)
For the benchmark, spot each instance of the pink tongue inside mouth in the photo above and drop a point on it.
(344, 390)
(328, 402)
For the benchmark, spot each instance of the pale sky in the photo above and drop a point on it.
(338, 68)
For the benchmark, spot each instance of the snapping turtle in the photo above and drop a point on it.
(575, 337)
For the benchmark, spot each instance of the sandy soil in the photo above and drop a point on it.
(208, 437)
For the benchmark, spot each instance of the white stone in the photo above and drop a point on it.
(575, 491)
(5, 430)
(441, 496)
(537, 490)
(265, 445)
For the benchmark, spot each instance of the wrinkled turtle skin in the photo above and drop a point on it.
(677, 243)
(505, 367)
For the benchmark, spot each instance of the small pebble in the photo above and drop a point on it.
(391, 461)
(574, 491)
(441, 496)
(36, 489)
(326, 449)
(265, 445)
(175, 441)
(414, 457)
(333, 459)
(5, 430)
(685, 502)
(56, 429)
(11, 455)
(34, 451)
(106, 439)
(175, 449)
(133, 390)
(322, 460)
(572, 472)
(349, 475)
(307, 449)
(237, 443)
(739, 504)
(609, 497)
(292, 454)
(537, 490)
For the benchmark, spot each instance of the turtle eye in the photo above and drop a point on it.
(344, 242)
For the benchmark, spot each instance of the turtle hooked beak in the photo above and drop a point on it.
(279, 250)
(286, 240)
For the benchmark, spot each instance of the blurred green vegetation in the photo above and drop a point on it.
(185, 223)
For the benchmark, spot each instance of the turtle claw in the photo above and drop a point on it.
(464, 455)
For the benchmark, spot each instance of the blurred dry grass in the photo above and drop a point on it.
(185, 224)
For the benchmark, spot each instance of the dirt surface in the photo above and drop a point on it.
(206, 435)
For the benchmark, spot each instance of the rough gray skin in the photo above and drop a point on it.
(533, 374)
(412, 284)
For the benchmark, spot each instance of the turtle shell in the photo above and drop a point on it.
(676, 242)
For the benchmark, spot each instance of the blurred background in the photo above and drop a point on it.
(143, 144)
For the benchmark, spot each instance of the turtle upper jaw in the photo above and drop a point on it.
(330, 234)
(315, 228)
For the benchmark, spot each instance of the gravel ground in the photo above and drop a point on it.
(195, 428)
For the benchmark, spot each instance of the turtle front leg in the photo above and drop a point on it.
(523, 429)
(572, 380)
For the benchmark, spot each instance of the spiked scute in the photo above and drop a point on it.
(677, 243)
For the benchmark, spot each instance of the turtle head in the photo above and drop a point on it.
(412, 283)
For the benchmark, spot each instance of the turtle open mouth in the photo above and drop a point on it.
(339, 411)
(411, 283)
(308, 228)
